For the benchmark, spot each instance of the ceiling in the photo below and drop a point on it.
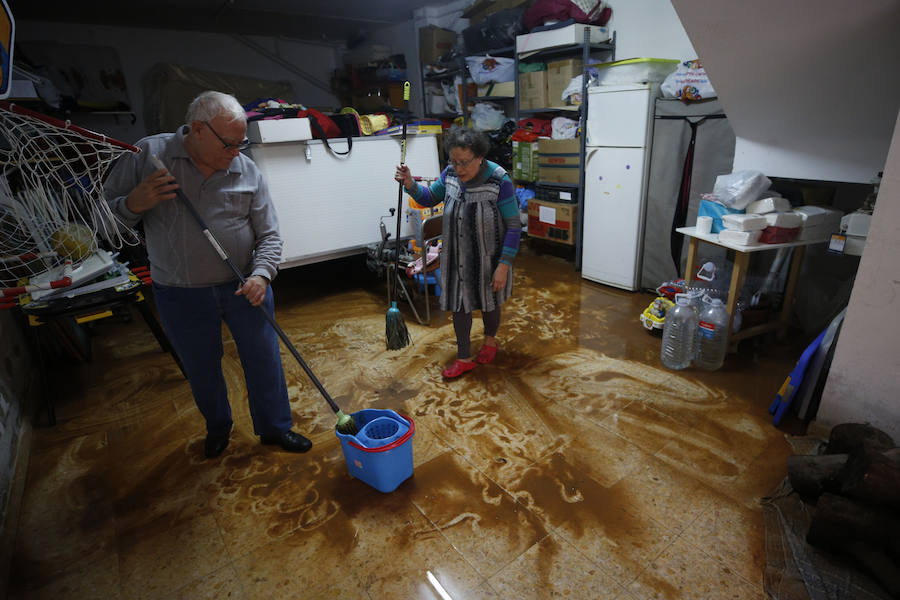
(337, 21)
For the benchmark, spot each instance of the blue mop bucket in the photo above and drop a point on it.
(380, 454)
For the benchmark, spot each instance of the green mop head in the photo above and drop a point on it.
(346, 424)
(395, 329)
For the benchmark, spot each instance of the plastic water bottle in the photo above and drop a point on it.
(712, 336)
(679, 333)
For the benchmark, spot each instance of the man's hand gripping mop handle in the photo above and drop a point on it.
(237, 273)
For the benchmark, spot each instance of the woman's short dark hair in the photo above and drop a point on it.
(463, 137)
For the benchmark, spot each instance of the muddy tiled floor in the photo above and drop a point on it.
(575, 466)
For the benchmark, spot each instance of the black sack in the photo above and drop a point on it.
(499, 30)
(348, 124)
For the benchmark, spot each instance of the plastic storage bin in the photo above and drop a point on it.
(380, 454)
(634, 70)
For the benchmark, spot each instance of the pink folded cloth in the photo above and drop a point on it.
(430, 257)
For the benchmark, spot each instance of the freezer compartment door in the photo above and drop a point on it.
(613, 216)
(619, 116)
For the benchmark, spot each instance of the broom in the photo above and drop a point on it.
(394, 327)
(346, 424)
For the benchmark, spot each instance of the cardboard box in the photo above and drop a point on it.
(559, 160)
(552, 221)
(279, 130)
(533, 90)
(559, 74)
(525, 161)
(434, 42)
(507, 89)
(564, 36)
(479, 10)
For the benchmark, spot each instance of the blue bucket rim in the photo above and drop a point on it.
(398, 442)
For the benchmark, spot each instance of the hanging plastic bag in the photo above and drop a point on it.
(572, 94)
(737, 190)
(487, 116)
(688, 82)
(491, 69)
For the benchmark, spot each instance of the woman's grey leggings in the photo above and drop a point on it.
(462, 325)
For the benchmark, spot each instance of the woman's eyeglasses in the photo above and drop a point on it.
(462, 164)
(242, 145)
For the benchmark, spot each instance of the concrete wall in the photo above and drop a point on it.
(141, 49)
(812, 91)
(863, 384)
(649, 29)
(811, 87)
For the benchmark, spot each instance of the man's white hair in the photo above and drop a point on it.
(210, 104)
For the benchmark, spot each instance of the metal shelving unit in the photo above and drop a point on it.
(462, 69)
(587, 49)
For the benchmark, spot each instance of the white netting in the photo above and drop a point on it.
(52, 209)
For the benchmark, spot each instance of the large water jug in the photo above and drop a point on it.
(679, 333)
(712, 336)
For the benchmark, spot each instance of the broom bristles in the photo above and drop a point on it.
(395, 329)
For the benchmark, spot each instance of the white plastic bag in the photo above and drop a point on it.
(563, 128)
(739, 189)
(688, 82)
(451, 94)
(572, 93)
(491, 69)
(487, 117)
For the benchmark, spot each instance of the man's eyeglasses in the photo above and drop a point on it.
(242, 145)
(462, 164)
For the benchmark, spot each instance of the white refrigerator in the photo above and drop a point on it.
(617, 163)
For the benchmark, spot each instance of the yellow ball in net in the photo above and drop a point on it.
(74, 241)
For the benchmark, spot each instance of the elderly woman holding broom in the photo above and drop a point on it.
(481, 231)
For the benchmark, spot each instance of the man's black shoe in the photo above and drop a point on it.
(288, 440)
(215, 444)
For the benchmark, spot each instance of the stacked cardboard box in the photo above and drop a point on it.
(533, 90)
(506, 89)
(525, 161)
(559, 74)
(559, 160)
(552, 221)
(434, 42)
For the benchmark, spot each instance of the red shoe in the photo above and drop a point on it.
(486, 354)
(458, 368)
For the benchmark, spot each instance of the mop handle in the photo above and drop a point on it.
(224, 256)
(405, 114)
(402, 161)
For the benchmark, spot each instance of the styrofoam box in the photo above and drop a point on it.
(816, 232)
(743, 238)
(564, 36)
(635, 70)
(767, 205)
(787, 220)
(279, 130)
(742, 222)
(817, 215)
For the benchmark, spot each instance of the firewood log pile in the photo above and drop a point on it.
(855, 487)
